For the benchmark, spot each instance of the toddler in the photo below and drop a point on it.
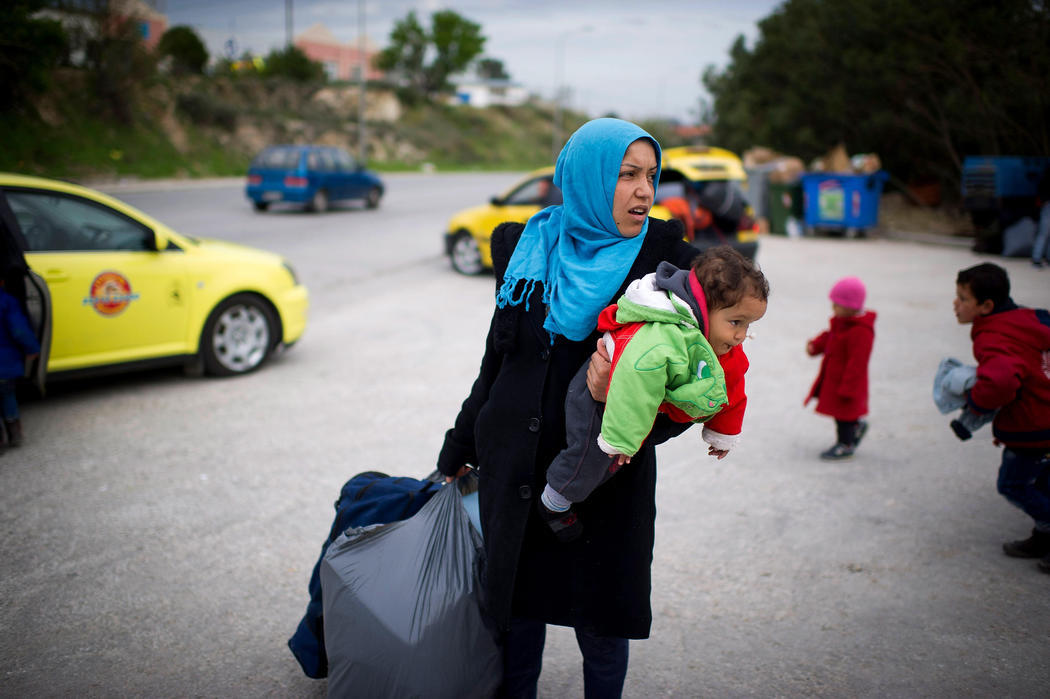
(841, 386)
(674, 341)
(1012, 348)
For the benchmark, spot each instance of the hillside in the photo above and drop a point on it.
(212, 126)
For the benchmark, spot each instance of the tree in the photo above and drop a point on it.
(921, 83)
(451, 44)
(117, 62)
(187, 51)
(492, 69)
(30, 50)
(292, 63)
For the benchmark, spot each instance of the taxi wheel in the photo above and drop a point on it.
(372, 198)
(261, 205)
(466, 257)
(319, 202)
(238, 337)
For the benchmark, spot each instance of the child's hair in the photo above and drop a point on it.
(986, 281)
(727, 276)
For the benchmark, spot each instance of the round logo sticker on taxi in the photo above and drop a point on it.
(110, 294)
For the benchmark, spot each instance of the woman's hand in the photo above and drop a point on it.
(459, 474)
(598, 373)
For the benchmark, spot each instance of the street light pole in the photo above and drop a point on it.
(559, 89)
(362, 149)
(559, 60)
(287, 23)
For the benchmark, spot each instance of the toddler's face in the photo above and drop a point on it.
(729, 325)
(966, 307)
(842, 312)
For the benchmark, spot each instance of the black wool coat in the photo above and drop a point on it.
(511, 427)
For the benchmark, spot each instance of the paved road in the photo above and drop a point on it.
(157, 532)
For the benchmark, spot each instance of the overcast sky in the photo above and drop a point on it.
(638, 59)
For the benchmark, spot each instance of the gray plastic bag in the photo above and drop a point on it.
(402, 608)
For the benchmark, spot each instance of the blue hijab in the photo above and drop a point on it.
(575, 250)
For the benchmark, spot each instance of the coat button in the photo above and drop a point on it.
(534, 424)
(525, 492)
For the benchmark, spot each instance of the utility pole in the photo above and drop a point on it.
(362, 79)
(559, 60)
(561, 90)
(287, 24)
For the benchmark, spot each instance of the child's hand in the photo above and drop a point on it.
(717, 453)
(809, 348)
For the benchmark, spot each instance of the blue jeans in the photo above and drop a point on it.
(1024, 480)
(1042, 235)
(8, 401)
(604, 661)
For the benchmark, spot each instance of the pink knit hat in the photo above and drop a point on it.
(848, 292)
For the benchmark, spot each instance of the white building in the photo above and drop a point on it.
(488, 93)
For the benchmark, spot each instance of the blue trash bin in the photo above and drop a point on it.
(840, 200)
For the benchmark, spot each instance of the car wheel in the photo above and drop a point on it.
(319, 202)
(260, 205)
(466, 256)
(372, 198)
(239, 336)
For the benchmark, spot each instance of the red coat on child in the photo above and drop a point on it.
(841, 387)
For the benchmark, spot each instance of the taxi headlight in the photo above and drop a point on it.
(295, 277)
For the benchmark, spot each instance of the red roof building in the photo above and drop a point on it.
(341, 61)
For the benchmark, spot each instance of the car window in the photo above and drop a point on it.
(320, 161)
(538, 192)
(343, 159)
(670, 189)
(56, 222)
(277, 159)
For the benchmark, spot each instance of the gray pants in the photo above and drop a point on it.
(581, 466)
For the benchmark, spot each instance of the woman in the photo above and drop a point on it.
(553, 276)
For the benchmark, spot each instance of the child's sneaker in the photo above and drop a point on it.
(862, 429)
(1035, 546)
(565, 525)
(838, 452)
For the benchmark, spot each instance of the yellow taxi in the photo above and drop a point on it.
(691, 177)
(106, 287)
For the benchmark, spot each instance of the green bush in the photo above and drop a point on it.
(292, 63)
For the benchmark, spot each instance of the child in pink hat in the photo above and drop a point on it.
(841, 387)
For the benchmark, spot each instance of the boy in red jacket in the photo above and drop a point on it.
(841, 386)
(1012, 348)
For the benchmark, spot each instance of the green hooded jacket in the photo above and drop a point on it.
(667, 360)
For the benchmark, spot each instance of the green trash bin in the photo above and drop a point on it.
(785, 201)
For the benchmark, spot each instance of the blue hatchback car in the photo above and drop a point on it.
(314, 176)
